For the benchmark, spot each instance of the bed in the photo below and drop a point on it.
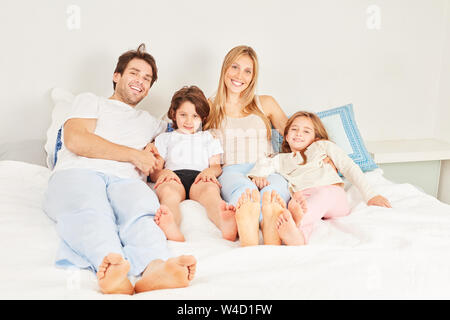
(374, 253)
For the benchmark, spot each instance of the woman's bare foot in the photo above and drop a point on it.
(272, 206)
(288, 231)
(297, 207)
(247, 217)
(228, 224)
(112, 275)
(174, 273)
(166, 221)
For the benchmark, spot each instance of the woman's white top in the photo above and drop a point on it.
(187, 151)
(244, 140)
(315, 172)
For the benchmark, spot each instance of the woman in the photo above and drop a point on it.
(243, 122)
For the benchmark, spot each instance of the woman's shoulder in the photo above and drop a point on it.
(270, 107)
(267, 102)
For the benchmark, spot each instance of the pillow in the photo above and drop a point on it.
(63, 103)
(342, 129)
(30, 151)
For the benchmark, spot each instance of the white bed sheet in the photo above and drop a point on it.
(374, 253)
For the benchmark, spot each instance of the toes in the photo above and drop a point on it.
(223, 206)
(164, 209)
(266, 198)
(255, 195)
(187, 260)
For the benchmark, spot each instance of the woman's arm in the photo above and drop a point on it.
(274, 112)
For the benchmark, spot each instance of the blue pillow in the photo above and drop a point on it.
(342, 130)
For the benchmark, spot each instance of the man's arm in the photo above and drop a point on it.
(79, 138)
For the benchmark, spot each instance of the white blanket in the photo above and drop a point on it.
(374, 253)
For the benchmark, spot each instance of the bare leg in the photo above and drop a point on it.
(272, 206)
(173, 273)
(219, 212)
(247, 217)
(288, 231)
(168, 217)
(112, 275)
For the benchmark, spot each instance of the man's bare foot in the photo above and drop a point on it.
(228, 224)
(112, 275)
(297, 207)
(166, 221)
(174, 273)
(288, 231)
(272, 206)
(247, 217)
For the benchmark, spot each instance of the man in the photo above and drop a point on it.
(103, 208)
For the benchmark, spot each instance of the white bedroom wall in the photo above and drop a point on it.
(443, 123)
(314, 55)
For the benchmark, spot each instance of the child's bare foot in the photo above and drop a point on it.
(166, 221)
(288, 231)
(174, 273)
(228, 224)
(247, 217)
(297, 207)
(272, 206)
(112, 275)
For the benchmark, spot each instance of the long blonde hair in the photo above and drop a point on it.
(217, 112)
(320, 132)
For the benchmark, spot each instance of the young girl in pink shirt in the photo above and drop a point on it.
(317, 190)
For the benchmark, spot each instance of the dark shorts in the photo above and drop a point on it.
(187, 178)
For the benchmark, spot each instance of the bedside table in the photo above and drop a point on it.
(417, 162)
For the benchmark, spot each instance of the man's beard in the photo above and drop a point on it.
(128, 98)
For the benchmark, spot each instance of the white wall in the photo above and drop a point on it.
(443, 124)
(314, 55)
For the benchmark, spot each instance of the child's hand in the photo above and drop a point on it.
(207, 175)
(379, 201)
(166, 176)
(150, 147)
(260, 182)
(144, 161)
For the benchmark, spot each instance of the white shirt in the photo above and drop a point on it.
(187, 151)
(315, 172)
(117, 122)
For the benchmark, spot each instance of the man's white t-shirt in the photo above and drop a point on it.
(117, 122)
(187, 151)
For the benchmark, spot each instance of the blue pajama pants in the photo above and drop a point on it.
(234, 182)
(97, 214)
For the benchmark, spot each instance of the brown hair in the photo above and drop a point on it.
(248, 96)
(139, 53)
(320, 132)
(194, 95)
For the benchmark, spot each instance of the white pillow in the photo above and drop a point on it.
(63, 103)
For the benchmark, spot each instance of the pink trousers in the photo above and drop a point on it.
(323, 203)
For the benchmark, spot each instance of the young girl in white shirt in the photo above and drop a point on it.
(191, 164)
(316, 188)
